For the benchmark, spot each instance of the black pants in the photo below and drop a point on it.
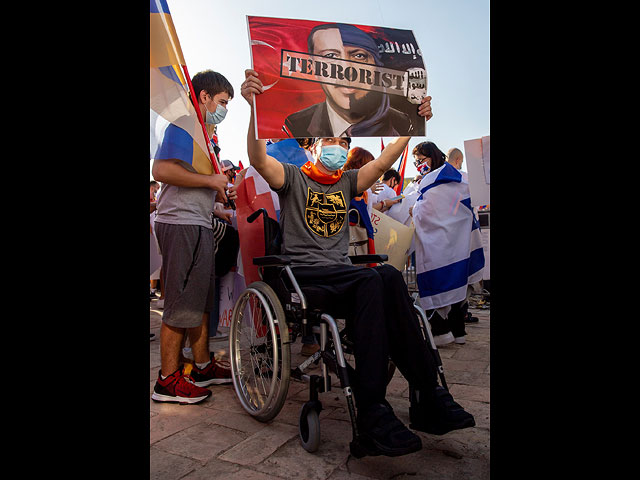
(454, 322)
(381, 322)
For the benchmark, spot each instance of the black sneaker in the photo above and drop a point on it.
(381, 433)
(470, 318)
(438, 414)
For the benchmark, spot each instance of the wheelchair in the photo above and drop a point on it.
(268, 317)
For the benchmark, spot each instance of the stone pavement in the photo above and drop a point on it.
(218, 439)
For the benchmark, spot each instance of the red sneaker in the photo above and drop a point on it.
(215, 373)
(178, 387)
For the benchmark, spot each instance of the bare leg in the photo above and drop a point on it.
(170, 345)
(199, 340)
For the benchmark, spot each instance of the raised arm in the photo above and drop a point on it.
(269, 168)
(373, 170)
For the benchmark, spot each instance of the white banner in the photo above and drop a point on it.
(391, 238)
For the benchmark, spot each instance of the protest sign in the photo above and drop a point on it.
(391, 238)
(231, 286)
(478, 167)
(325, 79)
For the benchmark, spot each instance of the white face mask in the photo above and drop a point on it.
(333, 157)
(217, 116)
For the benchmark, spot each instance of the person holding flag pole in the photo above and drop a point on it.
(186, 164)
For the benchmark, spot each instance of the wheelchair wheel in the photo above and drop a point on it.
(309, 428)
(259, 352)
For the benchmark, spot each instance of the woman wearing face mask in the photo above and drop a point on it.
(427, 157)
(447, 239)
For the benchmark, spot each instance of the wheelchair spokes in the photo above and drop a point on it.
(260, 352)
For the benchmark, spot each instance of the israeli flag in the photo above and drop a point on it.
(449, 253)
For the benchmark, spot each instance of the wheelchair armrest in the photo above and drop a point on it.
(272, 261)
(357, 259)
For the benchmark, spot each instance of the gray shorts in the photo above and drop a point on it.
(187, 272)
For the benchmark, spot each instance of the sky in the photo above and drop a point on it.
(453, 37)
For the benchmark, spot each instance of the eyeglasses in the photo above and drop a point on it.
(419, 160)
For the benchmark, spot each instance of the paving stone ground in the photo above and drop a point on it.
(218, 439)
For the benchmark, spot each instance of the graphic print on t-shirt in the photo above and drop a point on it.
(325, 212)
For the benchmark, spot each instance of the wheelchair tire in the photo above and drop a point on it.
(259, 352)
(309, 428)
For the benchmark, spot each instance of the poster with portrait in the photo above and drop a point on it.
(324, 79)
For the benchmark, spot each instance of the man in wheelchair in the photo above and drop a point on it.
(314, 202)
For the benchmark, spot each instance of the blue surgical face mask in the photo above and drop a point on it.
(217, 116)
(333, 157)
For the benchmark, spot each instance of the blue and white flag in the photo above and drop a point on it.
(449, 253)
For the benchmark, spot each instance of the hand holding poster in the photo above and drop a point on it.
(334, 79)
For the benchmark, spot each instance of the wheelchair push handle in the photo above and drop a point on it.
(251, 218)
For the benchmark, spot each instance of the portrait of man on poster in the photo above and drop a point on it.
(347, 111)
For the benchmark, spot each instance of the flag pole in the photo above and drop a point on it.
(212, 156)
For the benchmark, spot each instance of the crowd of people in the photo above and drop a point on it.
(191, 220)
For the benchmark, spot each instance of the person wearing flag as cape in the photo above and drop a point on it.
(314, 200)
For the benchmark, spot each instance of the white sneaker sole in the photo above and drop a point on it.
(166, 398)
(213, 381)
(442, 340)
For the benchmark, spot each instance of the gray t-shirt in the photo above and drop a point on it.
(314, 217)
(185, 205)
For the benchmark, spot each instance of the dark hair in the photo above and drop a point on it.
(357, 158)
(429, 149)
(391, 173)
(211, 82)
(305, 142)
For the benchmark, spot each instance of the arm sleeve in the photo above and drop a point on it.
(289, 172)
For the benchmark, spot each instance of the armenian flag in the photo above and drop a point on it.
(403, 163)
(176, 126)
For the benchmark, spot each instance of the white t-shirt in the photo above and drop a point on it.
(386, 193)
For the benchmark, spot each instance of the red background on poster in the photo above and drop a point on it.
(275, 104)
